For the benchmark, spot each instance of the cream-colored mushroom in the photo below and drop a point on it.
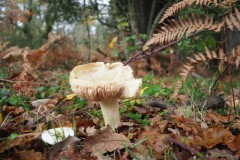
(55, 135)
(105, 83)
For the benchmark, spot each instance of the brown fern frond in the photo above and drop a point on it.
(17, 52)
(237, 62)
(208, 53)
(183, 27)
(3, 46)
(32, 58)
(185, 3)
(233, 20)
(234, 58)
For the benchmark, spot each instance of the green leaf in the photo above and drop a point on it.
(42, 88)
(143, 36)
(80, 103)
(13, 101)
(211, 42)
(116, 53)
(131, 48)
(13, 136)
(4, 91)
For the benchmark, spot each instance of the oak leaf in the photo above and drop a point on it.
(103, 142)
(20, 140)
(212, 136)
(216, 117)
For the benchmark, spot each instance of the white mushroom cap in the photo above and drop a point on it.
(99, 81)
(55, 135)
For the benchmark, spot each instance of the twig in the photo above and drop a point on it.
(189, 149)
(102, 53)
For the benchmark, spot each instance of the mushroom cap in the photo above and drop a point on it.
(55, 135)
(99, 81)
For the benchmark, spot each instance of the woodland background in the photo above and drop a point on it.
(186, 52)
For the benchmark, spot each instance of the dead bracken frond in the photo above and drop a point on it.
(3, 46)
(234, 58)
(176, 29)
(185, 3)
(32, 59)
(233, 20)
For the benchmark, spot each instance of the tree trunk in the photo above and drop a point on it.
(233, 39)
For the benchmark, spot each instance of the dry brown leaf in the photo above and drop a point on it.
(89, 131)
(103, 142)
(223, 153)
(61, 146)
(216, 117)
(30, 154)
(39, 102)
(153, 137)
(155, 140)
(70, 153)
(13, 110)
(160, 124)
(20, 140)
(235, 145)
(212, 136)
(236, 124)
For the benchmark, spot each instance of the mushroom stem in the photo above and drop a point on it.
(110, 111)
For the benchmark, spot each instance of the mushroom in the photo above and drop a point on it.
(55, 135)
(105, 83)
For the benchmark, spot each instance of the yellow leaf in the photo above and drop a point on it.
(143, 90)
(113, 42)
(220, 87)
(145, 48)
(1, 118)
(70, 96)
(138, 101)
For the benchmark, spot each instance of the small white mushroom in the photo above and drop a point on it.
(55, 135)
(105, 83)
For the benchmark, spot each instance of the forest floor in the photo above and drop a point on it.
(194, 125)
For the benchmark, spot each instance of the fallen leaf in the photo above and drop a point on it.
(212, 136)
(155, 140)
(89, 131)
(12, 109)
(235, 145)
(223, 153)
(39, 102)
(70, 153)
(20, 140)
(216, 117)
(70, 96)
(103, 142)
(29, 154)
(157, 122)
(61, 146)
(141, 110)
(236, 124)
